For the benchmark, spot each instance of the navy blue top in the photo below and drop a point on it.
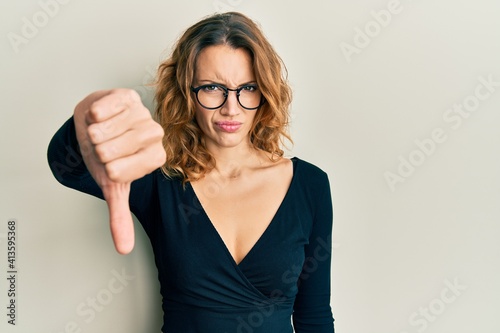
(284, 280)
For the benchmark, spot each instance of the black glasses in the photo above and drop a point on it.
(213, 96)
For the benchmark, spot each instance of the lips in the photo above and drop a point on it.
(228, 126)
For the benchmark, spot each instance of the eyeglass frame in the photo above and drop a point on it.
(226, 94)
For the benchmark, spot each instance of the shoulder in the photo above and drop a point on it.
(310, 179)
(311, 186)
(150, 185)
(308, 170)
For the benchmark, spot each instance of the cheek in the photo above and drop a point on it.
(203, 119)
(251, 118)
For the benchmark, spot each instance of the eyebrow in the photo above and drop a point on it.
(222, 84)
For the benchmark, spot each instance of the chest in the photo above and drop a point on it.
(241, 210)
(195, 263)
(196, 259)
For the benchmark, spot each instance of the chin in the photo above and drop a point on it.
(230, 142)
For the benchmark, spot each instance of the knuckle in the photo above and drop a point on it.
(113, 171)
(147, 133)
(117, 91)
(154, 156)
(100, 153)
(158, 131)
(161, 157)
(94, 134)
(154, 130)
(94, 112)
(133, 95)
(107, 127)
(126, 94)
(141, 113)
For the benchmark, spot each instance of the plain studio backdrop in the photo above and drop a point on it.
(398, 101)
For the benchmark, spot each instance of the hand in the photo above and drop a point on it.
(119, 142)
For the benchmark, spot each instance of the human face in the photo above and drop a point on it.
(229, 125)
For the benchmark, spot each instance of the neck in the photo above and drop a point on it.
(231, 162)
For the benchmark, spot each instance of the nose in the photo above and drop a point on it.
(231, 107)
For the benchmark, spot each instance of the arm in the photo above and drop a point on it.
(312, 312)
(66, 162)
(113, 140)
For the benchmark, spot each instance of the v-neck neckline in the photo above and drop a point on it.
(266, 231)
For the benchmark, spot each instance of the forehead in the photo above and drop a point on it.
(224, 64)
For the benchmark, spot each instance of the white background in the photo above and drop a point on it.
(397, 248)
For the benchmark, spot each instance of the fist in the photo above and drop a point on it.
(119, 142)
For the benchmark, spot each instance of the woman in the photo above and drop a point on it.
(241, 234)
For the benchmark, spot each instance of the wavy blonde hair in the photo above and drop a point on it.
(187, 155)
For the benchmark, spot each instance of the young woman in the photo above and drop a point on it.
(241, 235)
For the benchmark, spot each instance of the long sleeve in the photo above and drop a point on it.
(312, 312)
(66, 162)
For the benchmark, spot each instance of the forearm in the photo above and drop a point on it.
(312, 312)
(66, 162)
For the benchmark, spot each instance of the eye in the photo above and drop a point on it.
(211, 88)
(249, 88)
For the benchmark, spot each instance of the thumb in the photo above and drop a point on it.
(120, 218)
